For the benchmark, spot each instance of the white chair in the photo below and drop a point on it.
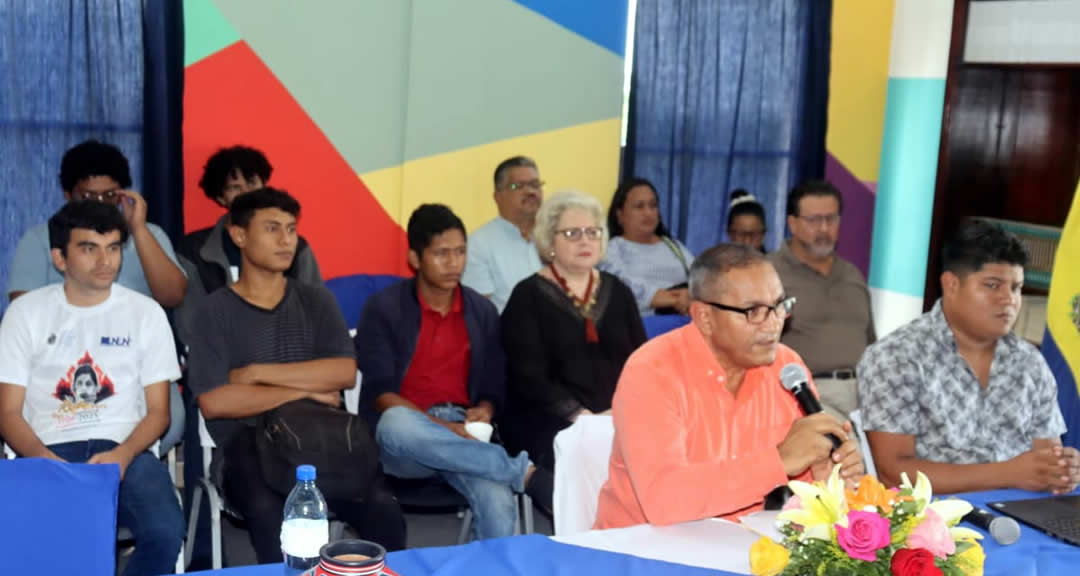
(217, 505)
(582, 452)
(122, 533)
(864, 445)
(352, 395)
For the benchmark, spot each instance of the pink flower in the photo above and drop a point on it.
(793, 503)
(865, 534)
(933, 535)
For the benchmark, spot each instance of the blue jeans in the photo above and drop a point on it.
(413, 446)
(147, 507)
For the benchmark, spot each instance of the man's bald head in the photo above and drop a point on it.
(710, 267)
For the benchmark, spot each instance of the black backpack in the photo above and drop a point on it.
(332, 440)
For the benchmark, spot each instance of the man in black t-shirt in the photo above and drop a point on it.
(211, 260)
(265, 341)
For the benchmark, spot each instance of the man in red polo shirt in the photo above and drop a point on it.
(431, 357)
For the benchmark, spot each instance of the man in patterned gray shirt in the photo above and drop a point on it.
(956, 395)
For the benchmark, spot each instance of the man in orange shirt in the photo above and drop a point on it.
(703, 426)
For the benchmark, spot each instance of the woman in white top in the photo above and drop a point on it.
(643, 254)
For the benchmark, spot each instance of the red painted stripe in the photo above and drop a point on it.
(345, 225)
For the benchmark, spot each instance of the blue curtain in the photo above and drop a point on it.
(69, 70)
(727, 94)
(163, 115)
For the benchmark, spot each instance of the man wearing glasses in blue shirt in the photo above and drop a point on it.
(502, 253)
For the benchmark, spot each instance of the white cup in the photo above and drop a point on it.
(480, 430)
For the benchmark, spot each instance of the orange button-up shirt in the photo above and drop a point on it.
(685, 447)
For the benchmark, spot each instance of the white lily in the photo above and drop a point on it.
(951, 510)
(822, 506)
(921, 493)
(959, 533)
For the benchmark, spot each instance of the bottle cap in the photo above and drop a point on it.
(305, 472)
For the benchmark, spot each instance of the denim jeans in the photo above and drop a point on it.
(147, 507)
(413, 446)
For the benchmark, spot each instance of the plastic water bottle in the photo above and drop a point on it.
(305, 528)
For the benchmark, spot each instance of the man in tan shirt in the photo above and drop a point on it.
(833, 324)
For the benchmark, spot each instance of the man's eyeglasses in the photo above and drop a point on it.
(758, 314)
(534, 184)
(111, 196)
(575, 234)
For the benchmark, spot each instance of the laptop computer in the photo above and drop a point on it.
(1058, 516)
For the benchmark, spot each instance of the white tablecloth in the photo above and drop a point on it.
(715, 544)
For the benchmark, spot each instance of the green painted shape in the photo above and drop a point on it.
(346, 62)
(511, 72)
(206, 31)
(389, 81)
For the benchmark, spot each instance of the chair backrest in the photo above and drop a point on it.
(352, 395)
(657, 325)
(582, 452)
(206, 441)
(864, 445)
(353, 291)
(56, 507)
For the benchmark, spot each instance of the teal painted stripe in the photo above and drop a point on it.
(904, 208)
(206, 31)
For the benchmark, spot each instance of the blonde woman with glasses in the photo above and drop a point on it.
(567, 331)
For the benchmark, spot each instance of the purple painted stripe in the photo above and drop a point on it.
(856, 229)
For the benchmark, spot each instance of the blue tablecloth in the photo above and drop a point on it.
(520, 555)
(1035, 554)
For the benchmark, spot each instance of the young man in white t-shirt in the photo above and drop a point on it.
(85, 368)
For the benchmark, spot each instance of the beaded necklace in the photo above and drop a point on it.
(583, 305)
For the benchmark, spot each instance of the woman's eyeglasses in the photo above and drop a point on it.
(575, 234)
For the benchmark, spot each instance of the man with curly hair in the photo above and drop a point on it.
(209, 256)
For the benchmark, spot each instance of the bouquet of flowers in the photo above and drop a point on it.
(873, 530)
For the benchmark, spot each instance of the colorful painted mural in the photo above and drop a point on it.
(858, 80)
(369, 109)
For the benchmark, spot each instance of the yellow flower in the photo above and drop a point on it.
(767, 558)
(900, 533)
(821, 506)
(870, 493)
(970, 561)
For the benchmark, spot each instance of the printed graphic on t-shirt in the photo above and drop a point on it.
(80, 390)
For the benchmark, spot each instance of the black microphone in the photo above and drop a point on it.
(1003, 529)
(796, 381)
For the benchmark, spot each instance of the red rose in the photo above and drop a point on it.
(914, 562)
